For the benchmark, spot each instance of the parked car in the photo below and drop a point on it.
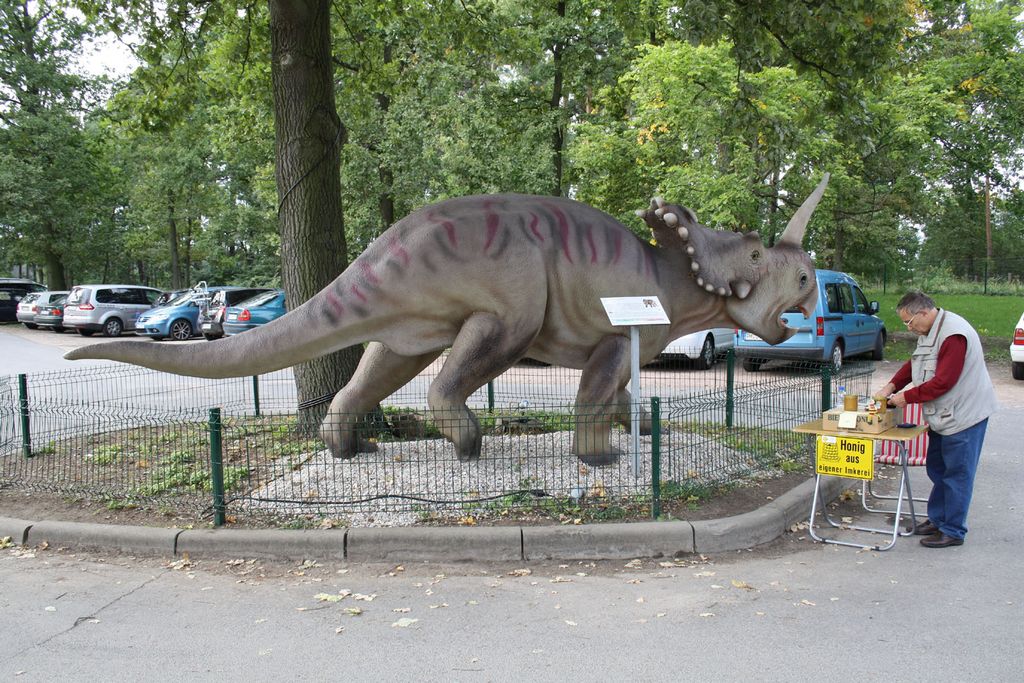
(110, 309)
(12, 291)
(1017, 349)
(51, 314)
(844, 324)
(28, 307)
(701, 347)
(251, 313)
(211, 320)
(179, 318)
(168, 296)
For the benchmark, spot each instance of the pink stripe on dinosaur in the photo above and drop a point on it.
(593, 247)
(492, 228)
(618, 248)
(534, 221)
(396, 249)
(368, 273)
(336, 304)
(359, 293)
(448, 226)
(563, 229)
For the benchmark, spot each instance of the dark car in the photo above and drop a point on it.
(211, 321)
(12, 291)
(50, 315)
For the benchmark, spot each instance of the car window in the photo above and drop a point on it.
(77, 296)
(58, 300)
(832, 298)
(151, 296)
(29, 298)
(106, 296)
(180, 300)
(860, 300)
(845, 299)
(260, 299)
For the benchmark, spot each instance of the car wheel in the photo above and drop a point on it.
(113, 327)
(879, 351)
(836, 358)
(707, 354)
(85, 333)
(752, 364)
(59, 330)
(1018, 370)
(31, 326)
(181, 330)
(211, 337)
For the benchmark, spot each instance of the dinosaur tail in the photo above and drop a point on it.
(295, 338)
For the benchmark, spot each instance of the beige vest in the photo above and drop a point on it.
(972, 398)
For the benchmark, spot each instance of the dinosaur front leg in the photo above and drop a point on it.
(624, 416)
(598, 401)
(485, 347)
(381, 372)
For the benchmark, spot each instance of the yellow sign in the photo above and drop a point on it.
(845, 456)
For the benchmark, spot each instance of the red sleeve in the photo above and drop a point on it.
(950, 364)
(902, 377)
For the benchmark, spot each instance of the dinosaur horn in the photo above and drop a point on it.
(794, 232)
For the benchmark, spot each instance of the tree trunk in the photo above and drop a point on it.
(172, 236)
(307, 134)
(555, 106)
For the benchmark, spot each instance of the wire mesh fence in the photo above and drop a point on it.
(128, 435)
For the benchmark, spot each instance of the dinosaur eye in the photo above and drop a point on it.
(803, 280)
(755, 255)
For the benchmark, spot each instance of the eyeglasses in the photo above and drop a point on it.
(910, 322)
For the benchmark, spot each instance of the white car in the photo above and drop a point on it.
(1017, 349)
(702, 347)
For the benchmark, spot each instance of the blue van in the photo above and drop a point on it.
(844, 324)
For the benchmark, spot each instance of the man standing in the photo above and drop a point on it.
(952, 384)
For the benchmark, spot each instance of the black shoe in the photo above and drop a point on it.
(941, 540)
(926, 528)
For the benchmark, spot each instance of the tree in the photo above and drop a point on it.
(308, 139)
(49, 176)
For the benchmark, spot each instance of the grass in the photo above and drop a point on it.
(994, 317)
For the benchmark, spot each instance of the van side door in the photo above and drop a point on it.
(866, 325)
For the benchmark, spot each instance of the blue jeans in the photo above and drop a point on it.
(952, 463)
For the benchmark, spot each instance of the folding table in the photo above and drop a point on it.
(845, 453)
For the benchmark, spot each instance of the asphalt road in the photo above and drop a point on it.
(796, 610)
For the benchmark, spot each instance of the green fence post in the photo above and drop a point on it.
(826, 387)
(730, 386)
(217, 467)
(26, 436)
(655, 457)
(256, 393)
(490, 396)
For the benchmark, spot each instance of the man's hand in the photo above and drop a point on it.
(899, 400)
(885, 392)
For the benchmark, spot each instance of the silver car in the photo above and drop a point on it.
(30, 305)
(109, 309)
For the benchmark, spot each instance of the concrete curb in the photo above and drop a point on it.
(434, 544)
(16, 529)
(441, 544)
(130, 539)
(607, 541)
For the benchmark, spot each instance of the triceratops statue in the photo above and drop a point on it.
(497, 278)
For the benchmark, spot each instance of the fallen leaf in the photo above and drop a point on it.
(401, 610)
(571, 623)
(330, 597)
(807, 602)
(704, 573)
(520, 572)
(5, 542)
(404, 622)
(707, 614)
(742, 584)
(361, 596)
(561, 579)
(353, 611)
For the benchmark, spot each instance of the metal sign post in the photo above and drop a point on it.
(633, 311)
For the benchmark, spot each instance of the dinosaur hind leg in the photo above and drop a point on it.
(380, 373)
(624, 415)
(599, 400)
(485, 347)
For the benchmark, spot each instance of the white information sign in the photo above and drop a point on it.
(634, 310)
